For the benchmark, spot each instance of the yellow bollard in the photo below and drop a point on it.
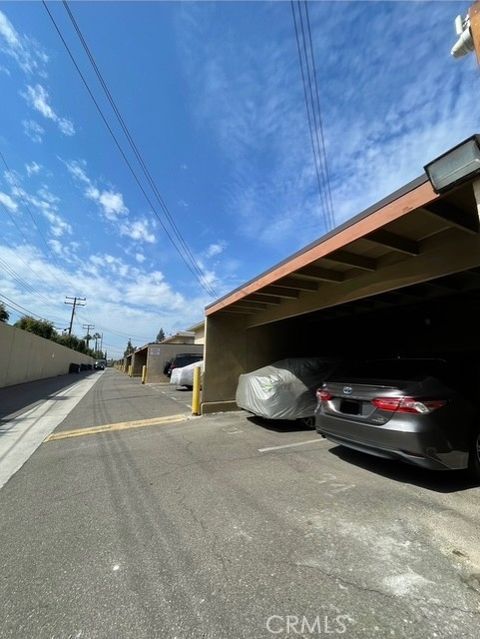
(144, 374)
(196, 391)
(130, 370)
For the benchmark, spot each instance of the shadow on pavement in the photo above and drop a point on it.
(436, 480)
(280, 425)
(15, 399)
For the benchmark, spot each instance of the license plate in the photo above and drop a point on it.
(350, 407)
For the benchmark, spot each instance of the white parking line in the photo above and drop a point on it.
(309, 441)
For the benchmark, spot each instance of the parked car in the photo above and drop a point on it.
(184, 376)
(181, 360)
(74, 368)
(284, 389)
(422, 411)
(99, 365)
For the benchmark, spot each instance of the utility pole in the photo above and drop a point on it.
(75, 301)
(88, 327)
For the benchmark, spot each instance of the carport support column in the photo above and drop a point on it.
(225, 360)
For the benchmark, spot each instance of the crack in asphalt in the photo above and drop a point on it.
(388, 595)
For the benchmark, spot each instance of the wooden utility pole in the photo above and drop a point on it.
(74, 302)
(87, 339)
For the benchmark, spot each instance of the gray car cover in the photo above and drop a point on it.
(285, 389)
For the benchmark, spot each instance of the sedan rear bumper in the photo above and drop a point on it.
(419, 444)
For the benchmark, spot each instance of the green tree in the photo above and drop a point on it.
(130, 348)
(43, 328)
(161, 335)
(4, 314)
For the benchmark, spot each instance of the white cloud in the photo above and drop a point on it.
(66, 126)
(140, 257)
(32, 168)
(7, 201)
(138, 230)
(47, 203)
(112, 205)
(27, 53)
(66, 251)
(139, 301)
(77, 169)
(8, 32)
(215, 249)
(110, 202)
(33, 130)
(58, 226)
(38, 98)
(47, 195)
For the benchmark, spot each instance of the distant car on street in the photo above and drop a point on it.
(422, 411)
(100, 365)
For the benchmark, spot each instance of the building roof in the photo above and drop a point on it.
(410, 236)
(397, 204)
(196, 327)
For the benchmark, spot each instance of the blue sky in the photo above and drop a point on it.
(213, 96)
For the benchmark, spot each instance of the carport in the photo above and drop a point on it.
(402, 277)
(156, 355)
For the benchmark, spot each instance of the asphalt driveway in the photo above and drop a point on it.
(221, 526)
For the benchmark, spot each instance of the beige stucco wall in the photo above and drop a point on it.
(232, 349)
(26, 357)
(200, 335)
(160, 354)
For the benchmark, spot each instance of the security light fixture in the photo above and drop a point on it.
(455, 166)
(465, 43)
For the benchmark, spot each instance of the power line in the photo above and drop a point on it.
(319, 114)
(316, 110)
(118, 333)
(204, 285)
(306, 58)
(21, 282)
(134, 146)
(20, 192)
(11, 304)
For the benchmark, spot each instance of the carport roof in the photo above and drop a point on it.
(396, 242)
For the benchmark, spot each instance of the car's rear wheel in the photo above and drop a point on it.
(474, 457)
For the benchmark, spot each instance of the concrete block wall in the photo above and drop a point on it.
(26, 357)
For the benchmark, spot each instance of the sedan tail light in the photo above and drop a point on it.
(407, 404)
(323, 395)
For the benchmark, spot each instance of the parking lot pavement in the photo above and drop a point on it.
(118, 398)
(222, 527)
